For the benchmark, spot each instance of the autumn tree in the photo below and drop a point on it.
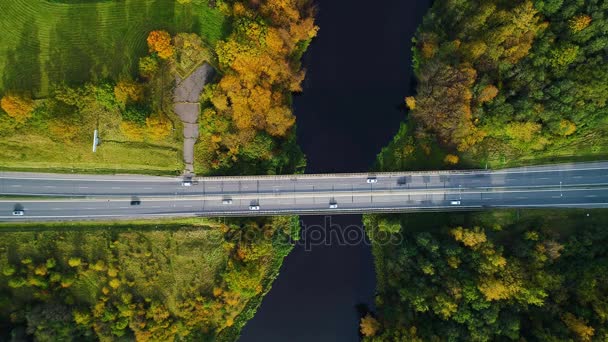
(580, 22)
(451, 159)
(259, 72)
(160, 42)
(127, 91)
(487, 94)
(18, 107)
(158, 127)
(369, 326)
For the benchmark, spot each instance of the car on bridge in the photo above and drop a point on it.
(227, 201)
(333, 205)
(372, 180)
(254, 207)
(454, 202)
(18, 212)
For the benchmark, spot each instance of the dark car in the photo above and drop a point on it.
(135, 201)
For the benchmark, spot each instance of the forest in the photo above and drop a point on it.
(533, 276)
(505, 82)
(499, 84)
(161, 281)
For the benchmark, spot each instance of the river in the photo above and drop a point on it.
(358, 72)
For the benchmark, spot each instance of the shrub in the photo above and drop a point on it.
(17, 107)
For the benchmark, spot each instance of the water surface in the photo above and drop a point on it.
(359, 70)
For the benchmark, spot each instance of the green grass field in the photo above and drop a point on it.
(48, 42)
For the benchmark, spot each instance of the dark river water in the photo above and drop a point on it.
(358, 72)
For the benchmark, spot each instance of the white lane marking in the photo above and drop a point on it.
(15, 186)
(487, 198)
(49, 186)
(123, 207)
(522, 197)
(115, 187)
(556, 196)
(577, 177)
(301, 211)
(187, 206)
(591, 196)
(148, 188)
(543, 178)
(83, 187)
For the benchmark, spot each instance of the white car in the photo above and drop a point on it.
(187, 183)
(333, 205)
(372, 180)
(254, 207)
(227, 201)
(455, 202)
(18, 213)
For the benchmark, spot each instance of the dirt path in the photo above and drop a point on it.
(187, 106)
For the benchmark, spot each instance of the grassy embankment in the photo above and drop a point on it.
(49, 43)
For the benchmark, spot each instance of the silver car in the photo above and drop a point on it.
(18, 213)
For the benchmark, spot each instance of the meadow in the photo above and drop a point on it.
(45, 42)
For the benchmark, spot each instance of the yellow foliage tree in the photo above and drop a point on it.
(468, 237)
(17, 107)
(369, 326)
(567, 127)
(128, 91)
(451, 159)
(580, 22)
(410, 101)
(578, 326)
(158, 127)
(494, 289)
(160, 42)
(523, 131)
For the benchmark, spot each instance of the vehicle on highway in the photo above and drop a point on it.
(254, 207)
(333, 205)
(187, 183)
(135, 202)
(372, 180)
(454, 202)
(227, 201)
(18, 212)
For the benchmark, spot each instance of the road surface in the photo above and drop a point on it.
(77, 197)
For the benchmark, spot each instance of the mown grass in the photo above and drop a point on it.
(45, 43)
(39, 153)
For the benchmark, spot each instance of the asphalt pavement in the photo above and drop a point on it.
(75, 197)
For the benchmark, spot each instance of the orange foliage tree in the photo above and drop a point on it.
(257, 61)
(160, 42)
(18, 107)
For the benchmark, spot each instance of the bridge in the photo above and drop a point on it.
(48, 197)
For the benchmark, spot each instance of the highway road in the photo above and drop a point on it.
(76, 197)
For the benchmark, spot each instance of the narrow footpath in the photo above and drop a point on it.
(187, 106)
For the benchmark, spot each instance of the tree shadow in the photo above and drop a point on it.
(22, 69)
(75, 48)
